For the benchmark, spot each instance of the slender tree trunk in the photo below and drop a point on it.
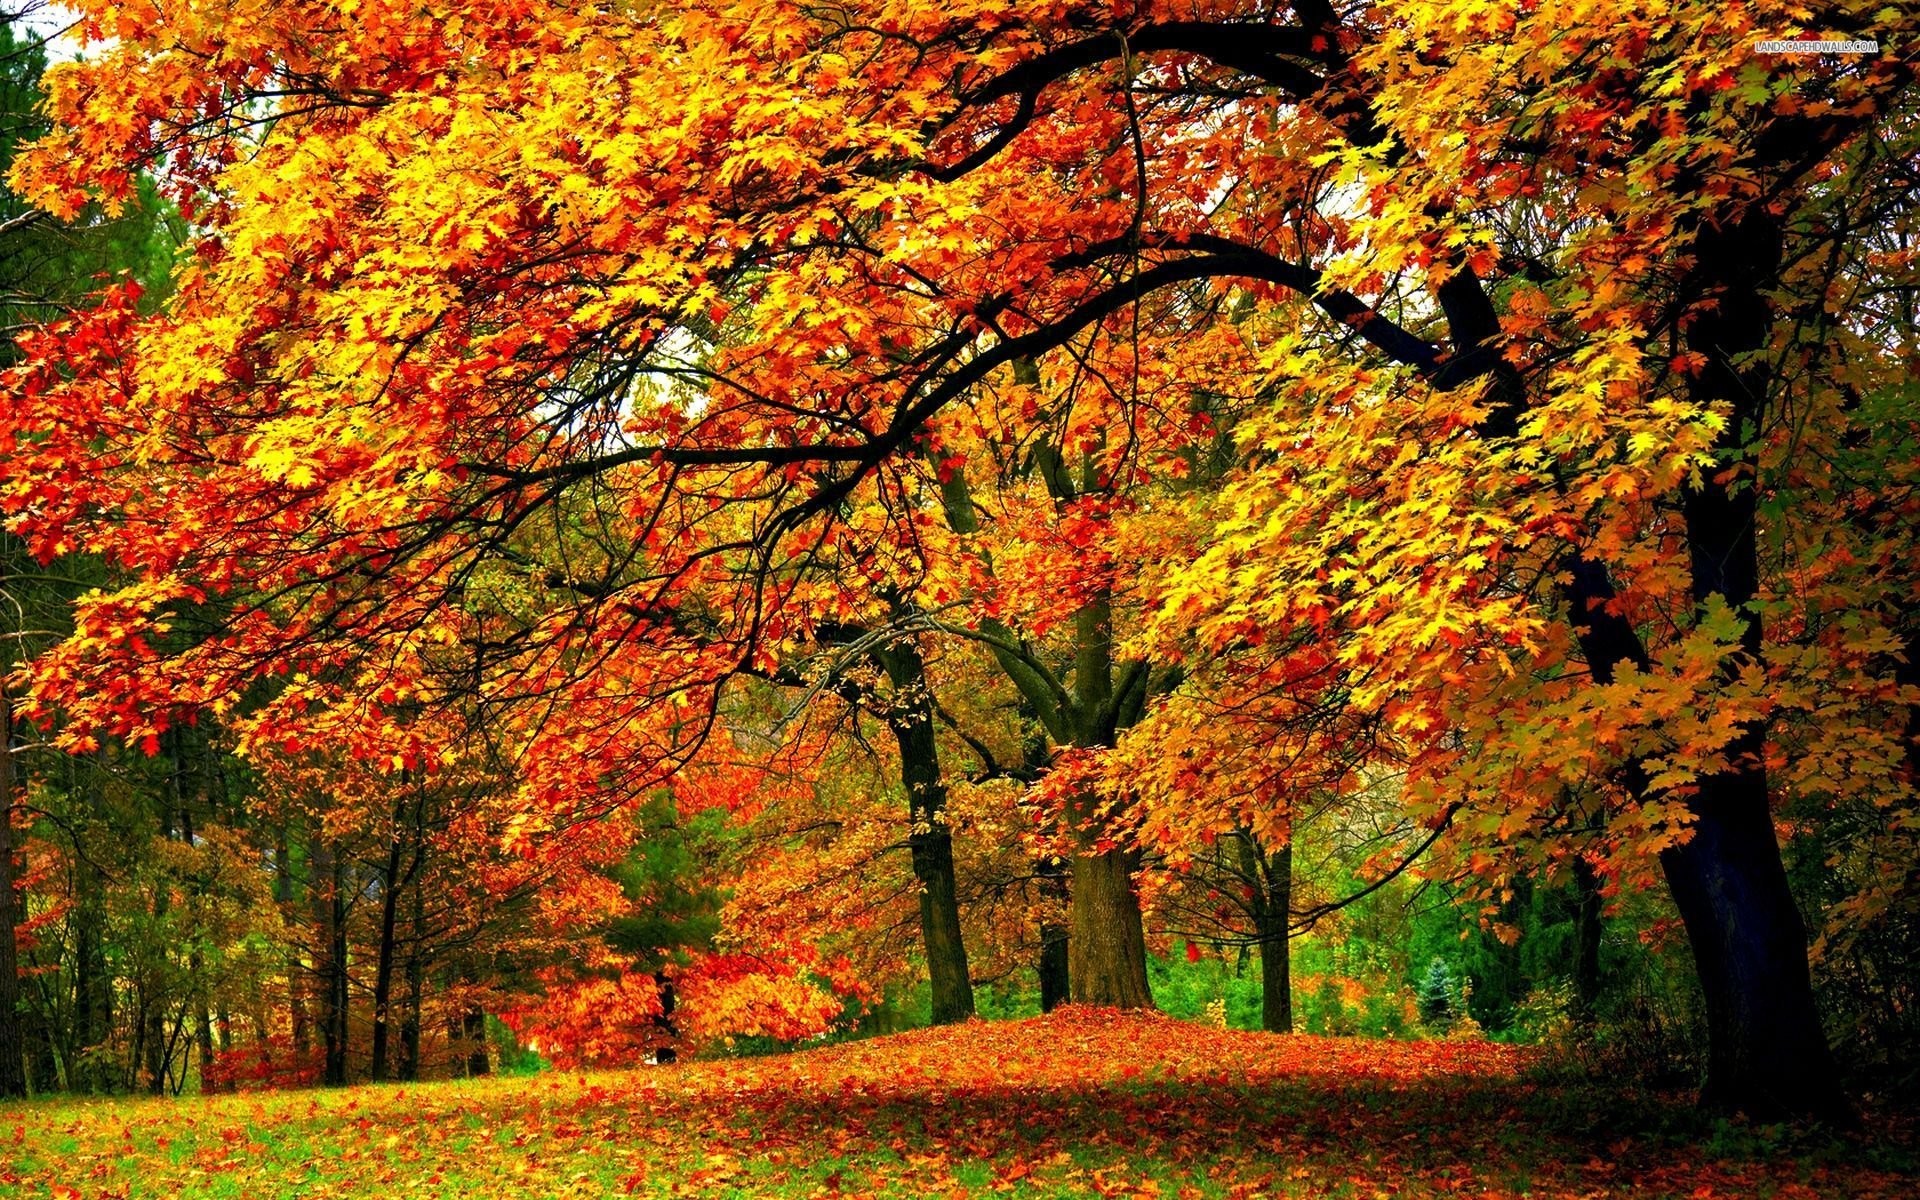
(667, 1052)
(911, 716)
(202, 1021)
(1588, 911)
(13, 1075)
(1271, 877)
(416, 978)
(383, 964)
(329, 902)
(473, 1031)
(93, 982)
(88, 963)
(298, 974)
(159, 1049)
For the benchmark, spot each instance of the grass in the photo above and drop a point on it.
(1076, 1104)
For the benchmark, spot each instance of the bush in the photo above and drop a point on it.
(270, 1064)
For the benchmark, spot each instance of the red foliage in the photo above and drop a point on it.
(268, 1065)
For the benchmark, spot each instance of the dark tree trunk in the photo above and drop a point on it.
(416, 978)
(297, 974)
(1055, 970)
(13, 1075)
(1107, 949)
(92, 989)
(159, 1052)
(1270, 878)
(667, 1051)
(1766, 1052)
(473, 1031)
(330, 921)
(910, 715)
(409, 1024)
(1589, 907)
(202, 1023)
(390, 884)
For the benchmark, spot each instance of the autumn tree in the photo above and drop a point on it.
(1540, 310)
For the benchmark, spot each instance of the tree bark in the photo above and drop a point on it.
(1588, 911)
(1272, 904)
(13, 1076)
(667, 1052)
(416, 974)
(910, 715)
(1107, 950)
(297, 974)
(1767, 1054)
(390, 885)
(202, 1023)
(473, 1031)
(1055, 970)
(1106, 942)
(330, 920)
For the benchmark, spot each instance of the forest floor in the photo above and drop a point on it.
(1081, 1103)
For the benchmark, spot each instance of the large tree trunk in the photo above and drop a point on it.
(1767, 1054)
(910, 716)
(1107, 949)
(1106, 943)
(13, 1075)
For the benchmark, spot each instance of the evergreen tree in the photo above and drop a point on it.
(1436, 994)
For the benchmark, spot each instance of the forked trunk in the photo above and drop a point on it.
(1273, 911)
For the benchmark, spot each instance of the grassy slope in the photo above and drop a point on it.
(1079, 1103)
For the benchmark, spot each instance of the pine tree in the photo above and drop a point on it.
(1436, 994)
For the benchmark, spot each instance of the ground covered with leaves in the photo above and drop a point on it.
(1080, 1103)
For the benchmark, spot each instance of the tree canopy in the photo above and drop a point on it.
(1494, 422)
